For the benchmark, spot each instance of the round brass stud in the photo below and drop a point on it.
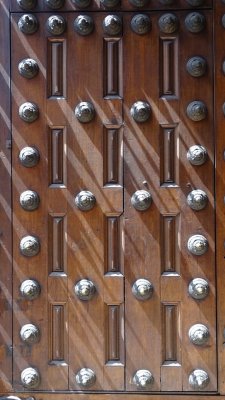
(30, 378)
(29, 246)
(198, 379)
(196, 66)
(30, 289)
(198, 289)
(141, 24)
(168, 23)
(197, 155)
(27, 4)
(112, 25)
(85, 112)
(56, 25)
(85, 377)
(142, 289)
(55, 4)
(197, 111)
(28, 24)
(197, 245)
(198, 334)
(195, 22)
(143, 379)
(141, 200)
(29, 112)
(85, 289)
(85, 200)
(28, 68)
(197, 199)
(84, 25)
(30, 334)
(29, 157)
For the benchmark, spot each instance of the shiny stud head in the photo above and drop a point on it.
(196, 66)
(85, 377)
(28, 24)
(197, 245)
(168, 23)
(30, 334)
(140, 111)
(143, 379)
(141, 24)
(85, 289)
(197, 155)
(28, 68)
(82, 3)
(139, 3)
(197, 199)
(110, 3)
(142, 289)
(198, 379)
(29, 157)
(196, 3)
(84, 25)
(27, 4)
(29, 246)
(29, 200)
(85, 200)
(85, 112)
(198, 289)
(112, 25)
(197, 111)
(141, 200)
(29, 112)
(195, 22)
(30, 289)
(56, 25)
(30, 378)
(55, 4)
(198, 334)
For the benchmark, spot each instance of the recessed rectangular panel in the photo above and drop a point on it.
(112, 59)
(111, 156)
(56, 243)
(169, 243)
(168, 67)
(56, 156)
(113, 342)
(112, 244)
(170, 333)
(57, 332)
(168, 155)
(56, 72)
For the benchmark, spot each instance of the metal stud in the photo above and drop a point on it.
(85, 200)
(55, 4)
(29, 112)
(198, 379)
(197, 245)
(56, 25)
(196, 3)
(30, 334)
(28, 68)
(140, 111)
(112, 25)
(195, 22)
(197, 199)
(197, 155)
(198, 334)
(85, 112)
(110, 3)
(29, 246)
(168, 23)
(141, 200)
(84, 25)
(85, 289)
(30, 378)
(198, 289)
(29, 200)
(27, 4)
(85, 377)
(196, 66)
(139, 3)
(142, 289)
(197, 111)
(29, 157)
(28, 24)
(30, 289)
(82, 3)
(143, 379)
(141, 24)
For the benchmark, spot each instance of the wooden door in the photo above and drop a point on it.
(113, 196)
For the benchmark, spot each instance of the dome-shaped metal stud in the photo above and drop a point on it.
(197, 199)
(197, 155)
(196, 66)
(140, 111)
(198, 289)
(84, 25)
(28, 24)
(110, 3)
(30, 378)
(168, 23)
(198, 334)
(30, 333)
(84, 289)
(27, 4)
(197, 111)
(30, 289)
(85, 377)
(29, 200)
(198, 379)
(112, 25)
(56, 25)
(55, 4)
(81, 3)
(29, 246)
(28, 68)
(195, 22)
(197, 245)
(85, 112)
(139, 3)
(142, 289)
(85, 200)
(29, 112)
(141, 24)
(143, 379)
(29, 157)
(196, 3)
(141, 200)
